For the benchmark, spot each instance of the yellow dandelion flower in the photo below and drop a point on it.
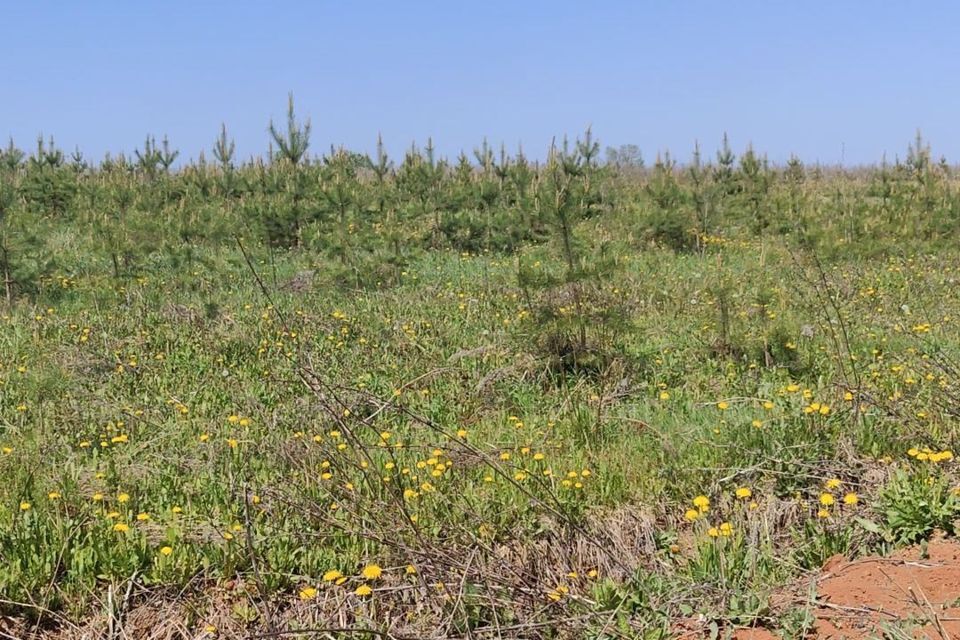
(331, 575)
(702, 503)
(371, 572)
(363, 590)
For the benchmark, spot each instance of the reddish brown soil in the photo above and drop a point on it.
(917, 594)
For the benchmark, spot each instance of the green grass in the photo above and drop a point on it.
(180, 427)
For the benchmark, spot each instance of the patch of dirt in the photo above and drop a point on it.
(916, 593)
(300, 283)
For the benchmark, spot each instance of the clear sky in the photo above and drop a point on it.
(824, 80)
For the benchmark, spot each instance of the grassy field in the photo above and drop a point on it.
(484, 398)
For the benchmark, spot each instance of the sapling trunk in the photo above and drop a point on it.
(7, 275)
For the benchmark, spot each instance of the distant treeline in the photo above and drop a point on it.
(369, 213)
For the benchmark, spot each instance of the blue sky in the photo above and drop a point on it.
(823, 80)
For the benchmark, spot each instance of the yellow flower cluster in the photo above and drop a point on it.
(725, 530)
(926, 454)
(828, 500)
(369, 573)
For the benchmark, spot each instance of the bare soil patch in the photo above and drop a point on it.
(913, 593)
